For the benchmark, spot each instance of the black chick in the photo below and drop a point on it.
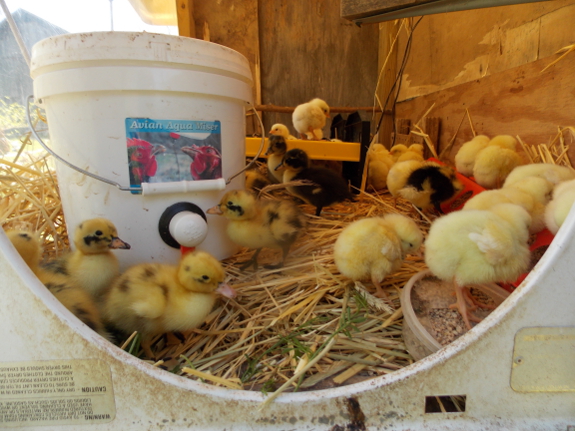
(326, 188)
(431, 184)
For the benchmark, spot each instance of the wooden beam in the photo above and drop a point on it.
(185, 12)
(316, 150)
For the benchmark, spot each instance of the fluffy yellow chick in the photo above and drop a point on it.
(539, 188)
(397, 150)
(465, 157)
(257, 223)
(379, 162)
(373, 248)
(92, 265)
(479, 246)
(413, 152)
(154, 298)
(493, 164)
(558, 209)
(504, 141)
(489, 198)
(277, 147)
(281, 130)
(309, 117)
(74, 298)
(552, 173)
(399, 173)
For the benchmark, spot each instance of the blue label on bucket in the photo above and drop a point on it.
(161, 151)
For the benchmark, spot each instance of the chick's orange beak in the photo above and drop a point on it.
(118, 243)
(226, 290)
(215, 210)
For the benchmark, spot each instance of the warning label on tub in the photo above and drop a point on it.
(161, 151)
(70, 392)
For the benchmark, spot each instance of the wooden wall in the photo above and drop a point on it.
(298, 50)
(489, 61)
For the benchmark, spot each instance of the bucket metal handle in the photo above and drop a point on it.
(146, 189)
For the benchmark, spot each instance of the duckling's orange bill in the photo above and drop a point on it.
(215, 210)
(118, 243)
(226, 290)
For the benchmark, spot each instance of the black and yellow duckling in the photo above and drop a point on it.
(326, 186)
(73, 297)
(277, 147)
(260, 223)
(154, 298)
(92, 265)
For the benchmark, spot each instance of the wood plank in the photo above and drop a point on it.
(353, 9)
(520, 101)
(308, 50)
(316, 150)
(453, 48)
(185, 13)
(387, 66)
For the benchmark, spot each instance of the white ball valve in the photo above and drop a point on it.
(183, 224)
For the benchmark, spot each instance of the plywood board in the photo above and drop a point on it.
(453, 48)
(308, 50)
(520, 101)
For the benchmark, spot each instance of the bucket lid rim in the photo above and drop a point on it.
(136, 46)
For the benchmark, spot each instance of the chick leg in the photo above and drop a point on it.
(303, 136)
(461, 305)
(379, 292)
(285, 251)
(315, 137)
(252, 262)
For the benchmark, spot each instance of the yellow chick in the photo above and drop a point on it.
(277, 147)
(373, 248)
(413, 152)
(430, 185)
(310, 116)
(397, 151)
(489, 198)
(92, 265)
(493, 164)
(74, 298)
(257, 223)
(552, 173)
(399, 173)
(558, 209)
(154, 298)
(539, 188)
(465, 157)
(281, 130)
(503, 141)
(479, 246)
(379, 162)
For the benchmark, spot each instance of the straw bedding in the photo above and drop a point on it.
(301, 327)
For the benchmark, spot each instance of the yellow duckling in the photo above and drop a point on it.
(154, 298)
(73, 297)
(257, 224)
(92, 265)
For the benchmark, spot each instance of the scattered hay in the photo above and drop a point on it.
(303, 326)
(29, 200)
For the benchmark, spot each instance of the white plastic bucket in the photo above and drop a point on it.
(104, 91)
